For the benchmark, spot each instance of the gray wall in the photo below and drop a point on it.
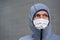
(14, 21)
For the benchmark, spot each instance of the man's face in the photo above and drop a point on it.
(41, 14)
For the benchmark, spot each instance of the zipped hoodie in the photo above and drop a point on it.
(47, 33)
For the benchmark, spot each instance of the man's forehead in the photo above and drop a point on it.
(42, 12)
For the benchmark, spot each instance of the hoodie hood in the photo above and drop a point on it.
(37, 33)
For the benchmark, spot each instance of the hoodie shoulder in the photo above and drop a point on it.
(55, 37)
(27, 37)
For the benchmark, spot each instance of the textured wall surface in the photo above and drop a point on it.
(14, 19)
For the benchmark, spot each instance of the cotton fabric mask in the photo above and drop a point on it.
(40, 23)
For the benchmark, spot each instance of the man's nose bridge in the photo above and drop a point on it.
(41, 16)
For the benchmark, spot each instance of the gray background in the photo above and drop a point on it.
(14, 19)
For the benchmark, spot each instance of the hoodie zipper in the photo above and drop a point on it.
(41, 34)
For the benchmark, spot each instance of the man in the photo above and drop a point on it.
(40, 24)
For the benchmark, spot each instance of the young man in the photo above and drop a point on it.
(40, 24)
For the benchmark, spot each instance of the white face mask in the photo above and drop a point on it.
(40, 23)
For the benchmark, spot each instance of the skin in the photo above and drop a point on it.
(41, 14)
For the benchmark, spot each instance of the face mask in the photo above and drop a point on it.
(40, 23)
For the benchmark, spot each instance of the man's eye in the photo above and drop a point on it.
(38, 15)
(45, 15)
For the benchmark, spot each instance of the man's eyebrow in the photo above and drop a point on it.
(46, 14)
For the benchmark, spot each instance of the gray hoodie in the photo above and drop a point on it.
(47, 33)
